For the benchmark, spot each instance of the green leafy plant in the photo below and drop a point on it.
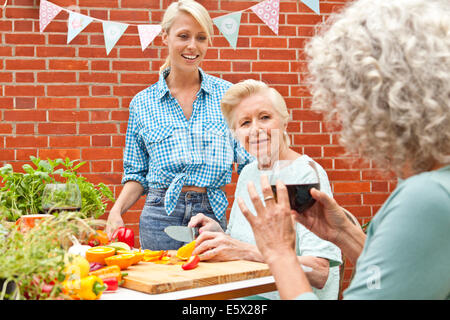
(35, 260)
(22, 191)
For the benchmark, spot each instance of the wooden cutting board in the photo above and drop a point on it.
(154, 278)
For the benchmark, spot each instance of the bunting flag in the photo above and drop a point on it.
(47, 12)
(229, 26)
(112, 32)
(313, 5)
(147, 33)
(269, 12)
(77, 22)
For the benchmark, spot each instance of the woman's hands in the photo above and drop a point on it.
(218, 246)
(204, 223)
(214, 245)
(130, 193)
(325, 218)
(114, 222)
(273, 227)
(274, 234)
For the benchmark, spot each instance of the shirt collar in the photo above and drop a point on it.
(163, 88)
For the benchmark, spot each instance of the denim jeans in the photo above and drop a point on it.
(154, 218)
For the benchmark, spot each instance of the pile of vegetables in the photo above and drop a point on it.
(35, 261)
(21, 193)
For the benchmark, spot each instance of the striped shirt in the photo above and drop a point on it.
(166, 150)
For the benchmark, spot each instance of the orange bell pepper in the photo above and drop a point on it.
(99, 238)
(121, 260)
(98, 254)
(112, 271)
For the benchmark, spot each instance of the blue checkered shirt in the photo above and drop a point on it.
(165, 150)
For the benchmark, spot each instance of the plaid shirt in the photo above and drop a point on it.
(165, 150)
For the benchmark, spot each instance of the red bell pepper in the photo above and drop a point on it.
(191, 263)
(112, 284)
(124, 234)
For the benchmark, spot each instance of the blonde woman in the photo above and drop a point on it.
(258, 116)
(178, 150)
(382, 70)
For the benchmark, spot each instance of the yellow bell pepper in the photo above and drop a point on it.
(87, 288)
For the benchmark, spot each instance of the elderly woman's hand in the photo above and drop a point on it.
(204, 223)
(325, 218)
(218, 246)
(273, 227)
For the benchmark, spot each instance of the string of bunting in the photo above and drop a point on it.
(268, 11)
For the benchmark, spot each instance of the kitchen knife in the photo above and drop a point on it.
(180, 233)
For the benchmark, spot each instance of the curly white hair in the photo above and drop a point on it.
(381, 70)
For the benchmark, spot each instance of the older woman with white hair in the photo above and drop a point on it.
(381, 69)
(258, 116)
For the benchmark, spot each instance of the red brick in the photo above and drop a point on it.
(68, 64)
(25, 103)
(102, 103)
(97, 128)
(25, 128)
(56, 103)
(285, 54)
(25, 115)
(273, 66)
(139, 78)
(69, 141)
(95, 77)
(24, 77)
(102, 153)
(101, 141)
(53, 51)
(101, 166)
(130, 65)
(308, 139)
(63, 77)
(26, 141)
(351, 186)
(59, 153)
(57, 128)
(375, 198)
(7, 155)
(24, 91)
(5, 128)
(67, 90)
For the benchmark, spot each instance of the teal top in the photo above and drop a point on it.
(407, 251)
(308, 244)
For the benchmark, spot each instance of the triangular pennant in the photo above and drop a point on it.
(313, 5)
(47, 12)
(148, 32)
(229, 25)
(112, 31)
(77, 22)
(269, 12)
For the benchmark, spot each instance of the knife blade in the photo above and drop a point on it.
(181, 233)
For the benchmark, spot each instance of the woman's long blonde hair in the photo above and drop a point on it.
(196, 10)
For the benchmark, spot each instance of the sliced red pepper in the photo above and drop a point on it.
(112, 284)
(191, 263)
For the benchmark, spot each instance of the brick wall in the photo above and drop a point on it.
(60, 100)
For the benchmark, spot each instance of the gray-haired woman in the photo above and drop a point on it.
(382, 71)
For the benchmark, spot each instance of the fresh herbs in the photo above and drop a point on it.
(22, 192)
(35, 260)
